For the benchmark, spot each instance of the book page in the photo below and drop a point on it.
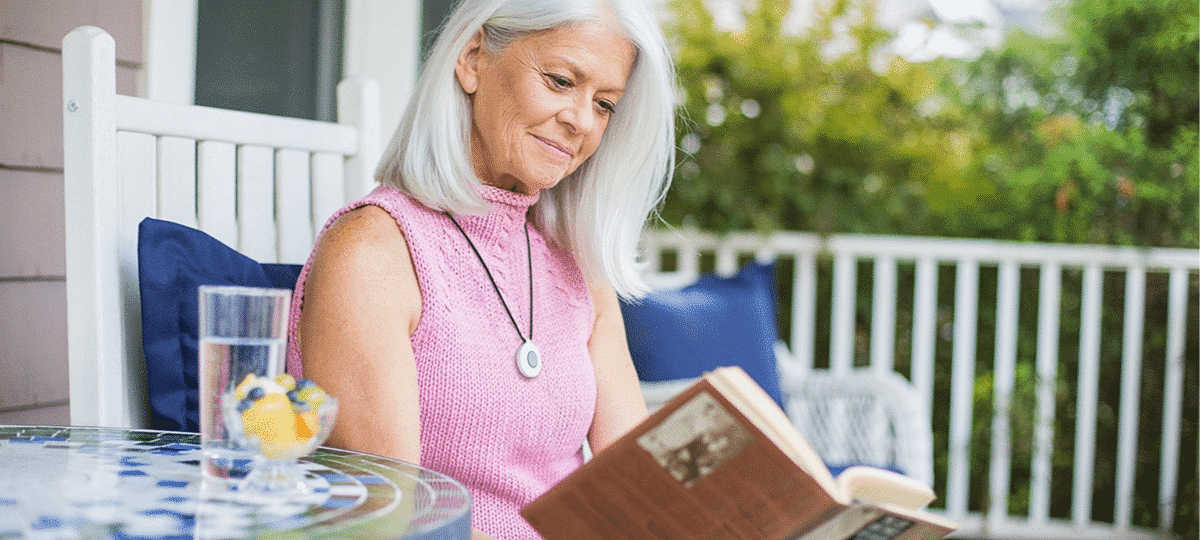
(875, 485)
(754, 402)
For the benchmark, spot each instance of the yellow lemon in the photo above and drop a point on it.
(286, 381)
(244, 387)
(313, 395)
(271, 419)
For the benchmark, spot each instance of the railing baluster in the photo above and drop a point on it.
(689, 257)
(766, 251)
(845, 280)
(726, 258)
(1131, 379)
(883, 315)
(1049, 302)
(652, 248)
(804, 310)
(883, 338)
(1172, 396)
(1089, 378)
(924, 328)
(962, 385)
(1004, 375)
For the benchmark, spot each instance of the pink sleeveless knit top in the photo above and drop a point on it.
(506, 437)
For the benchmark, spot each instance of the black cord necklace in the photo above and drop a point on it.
(529, 357)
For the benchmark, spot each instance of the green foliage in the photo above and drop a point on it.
(780, 133)
(1091, 137)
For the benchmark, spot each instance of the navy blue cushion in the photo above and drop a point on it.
(173, 261)
(837, 468)
(714, 322)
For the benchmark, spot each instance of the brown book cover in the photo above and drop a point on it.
(722, 461)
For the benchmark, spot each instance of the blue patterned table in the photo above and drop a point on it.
(59, 482)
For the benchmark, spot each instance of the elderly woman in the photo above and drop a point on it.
(465, 312)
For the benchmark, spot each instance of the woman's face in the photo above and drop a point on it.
(540, 106)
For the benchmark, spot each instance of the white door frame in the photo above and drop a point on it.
(382, 42)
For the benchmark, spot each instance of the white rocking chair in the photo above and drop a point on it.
(262, 184)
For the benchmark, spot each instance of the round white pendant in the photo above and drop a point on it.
(529, 360)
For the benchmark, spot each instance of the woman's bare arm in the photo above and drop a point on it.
(619, 403)
(361, 304)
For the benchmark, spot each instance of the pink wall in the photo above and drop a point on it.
(33, 347)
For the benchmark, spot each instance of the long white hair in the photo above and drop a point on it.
(599, 211)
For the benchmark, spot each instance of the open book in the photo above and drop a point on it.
(722, 461)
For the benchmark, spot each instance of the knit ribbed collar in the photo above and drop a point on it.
(505, 217)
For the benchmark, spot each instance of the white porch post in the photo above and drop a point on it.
(169, 48)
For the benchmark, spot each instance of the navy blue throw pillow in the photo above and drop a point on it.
(173, 261)
(680, 334)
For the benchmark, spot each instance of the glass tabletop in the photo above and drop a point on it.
(75, 482)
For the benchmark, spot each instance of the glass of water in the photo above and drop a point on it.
(243, 330)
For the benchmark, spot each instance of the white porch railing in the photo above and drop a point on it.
(981, 276)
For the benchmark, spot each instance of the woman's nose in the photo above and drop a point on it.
(580, 116)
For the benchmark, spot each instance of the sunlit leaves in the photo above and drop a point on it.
(1089, 136)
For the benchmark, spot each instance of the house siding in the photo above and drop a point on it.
(33, 329)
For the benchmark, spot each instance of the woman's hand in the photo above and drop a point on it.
(361, 304)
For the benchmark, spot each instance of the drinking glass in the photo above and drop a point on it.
(243, 330)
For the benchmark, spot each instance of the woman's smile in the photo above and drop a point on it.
(556, 148)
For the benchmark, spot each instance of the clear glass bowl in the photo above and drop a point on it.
(276, 472)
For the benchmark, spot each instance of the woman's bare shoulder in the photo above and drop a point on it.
(364, 251)
(367, 228)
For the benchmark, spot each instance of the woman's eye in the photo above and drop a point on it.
(608, 106)
(557, 81)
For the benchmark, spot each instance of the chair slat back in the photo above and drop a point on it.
(255, 204)
(292, 204)
(177, 180)
(259, 183)
(216, 180)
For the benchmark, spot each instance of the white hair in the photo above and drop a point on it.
(599, 211)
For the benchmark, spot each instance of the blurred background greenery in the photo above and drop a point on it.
(1086, 134)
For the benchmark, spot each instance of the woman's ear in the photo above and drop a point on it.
(467, 67)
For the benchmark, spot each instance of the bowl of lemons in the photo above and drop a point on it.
(282, 419)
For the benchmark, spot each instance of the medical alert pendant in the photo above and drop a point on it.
(529, 360)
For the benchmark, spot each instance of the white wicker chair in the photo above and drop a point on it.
(865, 416)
